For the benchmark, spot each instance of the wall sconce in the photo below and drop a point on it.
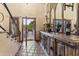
(69, 5)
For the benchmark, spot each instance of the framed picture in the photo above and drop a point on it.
(59, 25)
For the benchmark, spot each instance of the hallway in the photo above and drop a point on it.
(33, 49)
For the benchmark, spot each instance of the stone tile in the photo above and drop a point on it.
(30, 54)
(35, 54)
(32, 49)
(24, 54)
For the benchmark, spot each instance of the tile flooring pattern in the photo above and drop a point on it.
(30, 35)
(33, 49)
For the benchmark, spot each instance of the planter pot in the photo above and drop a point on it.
(49, 30)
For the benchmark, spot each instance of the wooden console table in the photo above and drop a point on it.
(62, 45)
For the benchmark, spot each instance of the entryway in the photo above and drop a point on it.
(29, 29)
(29, 46)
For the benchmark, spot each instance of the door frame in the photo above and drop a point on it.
(26, 28)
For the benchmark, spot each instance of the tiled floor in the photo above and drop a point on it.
(30, 35)
(33, 49)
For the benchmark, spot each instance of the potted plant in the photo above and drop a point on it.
(48, 27)
(58, 27)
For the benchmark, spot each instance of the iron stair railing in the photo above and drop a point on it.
(4, 30)
(13, 20)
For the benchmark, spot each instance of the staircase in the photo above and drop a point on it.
(8, 46)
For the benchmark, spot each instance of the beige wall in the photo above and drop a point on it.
(38, 11)
(71, 15)
(5, 23)
(59, 11)
(30, 10)
(68, 13)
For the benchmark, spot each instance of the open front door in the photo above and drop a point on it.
(29, 29)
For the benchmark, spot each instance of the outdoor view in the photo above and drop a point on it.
(29, 28)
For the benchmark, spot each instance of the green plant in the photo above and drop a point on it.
(30, 27)
(48, 27)
(58, 27)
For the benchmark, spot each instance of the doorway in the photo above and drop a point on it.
(29, 29)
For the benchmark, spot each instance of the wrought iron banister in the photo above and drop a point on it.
(4, 4)
(4, 30)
